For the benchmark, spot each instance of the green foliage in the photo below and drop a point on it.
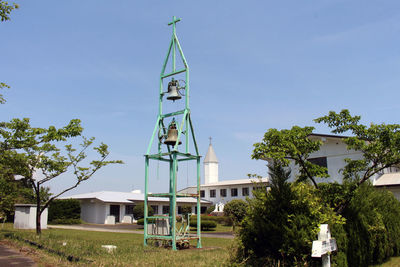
(66, 221)
(286, 145)
(186, 209)
(236, 210)
(380, 144)
(28, 151)
(64, 209)
(373, 226)
(205, 225)
(141, 221)
(280, 225)
(210, 209)
(5, 10)
(138, 211)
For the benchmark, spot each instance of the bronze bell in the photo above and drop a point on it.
(172, 135)
(173, 93)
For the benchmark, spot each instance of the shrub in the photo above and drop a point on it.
(138, 211)
(210, 209)
(66, 221)
(64, 209)
(141, 221)
(186, 209)
(280, 225)
(236, 210)
(372, 226)
(205, 225)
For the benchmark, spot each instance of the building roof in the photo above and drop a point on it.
(328, 135)
(388, 179)
(210, 156)
(233, 182)
(128, 197)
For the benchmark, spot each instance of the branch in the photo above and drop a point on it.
(308, 174)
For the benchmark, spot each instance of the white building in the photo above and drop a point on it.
(221, 192)
(332, 154)
(108, 207)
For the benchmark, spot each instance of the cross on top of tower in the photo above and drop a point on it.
(210, 139)
(174, 21)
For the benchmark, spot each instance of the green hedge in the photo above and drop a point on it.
(205, 225)
(66, 221)
(218, 219)
(141, 221)
(64, 210)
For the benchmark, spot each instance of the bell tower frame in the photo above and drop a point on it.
(172, 155)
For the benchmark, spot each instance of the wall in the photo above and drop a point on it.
(25, 217)
(335, 151)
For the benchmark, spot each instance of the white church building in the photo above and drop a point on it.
(221, 192)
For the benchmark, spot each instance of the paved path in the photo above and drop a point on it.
(12, 257)
(117, 229)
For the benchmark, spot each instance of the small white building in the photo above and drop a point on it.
(221, 192)
(25, 217)
(106, 207)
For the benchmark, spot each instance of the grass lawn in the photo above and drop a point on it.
(130, 250)
(393, 262)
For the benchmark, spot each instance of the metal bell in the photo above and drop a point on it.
(172, 135)
(173, 93)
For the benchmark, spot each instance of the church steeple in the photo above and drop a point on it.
(210, 166)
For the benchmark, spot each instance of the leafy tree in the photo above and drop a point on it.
(236, 210)
(138, 211)
(33, 154)
(186, 209)
(5, 10)
(291, 145)
(282, 223)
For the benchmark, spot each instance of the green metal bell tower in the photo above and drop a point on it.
(178, 134)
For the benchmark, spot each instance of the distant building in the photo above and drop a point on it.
(332, 155)
(106, 207)
(221, 192)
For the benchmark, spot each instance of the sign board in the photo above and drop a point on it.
(322, 247)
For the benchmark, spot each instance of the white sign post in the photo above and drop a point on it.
(322, 247)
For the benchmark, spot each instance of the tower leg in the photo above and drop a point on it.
(146, 182)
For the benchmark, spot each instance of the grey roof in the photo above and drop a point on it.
(127, 197)
(210, 156)
(388, 179)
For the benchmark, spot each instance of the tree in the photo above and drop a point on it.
(286, 145)
(236, 210)
(138, 211)
(33, 154)
(281, 224)
(5, 10)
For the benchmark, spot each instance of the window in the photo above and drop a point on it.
(203, 209)
(129, 209)
(202, 194)
(321, 161)
(155, 208)
(212, 193)
(222, 192)
(179, 210)
(165, 209)
(245, 191)
(234, 192)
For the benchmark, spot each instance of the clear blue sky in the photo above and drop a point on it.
(254, 65)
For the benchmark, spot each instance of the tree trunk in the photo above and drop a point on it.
(38, 213)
